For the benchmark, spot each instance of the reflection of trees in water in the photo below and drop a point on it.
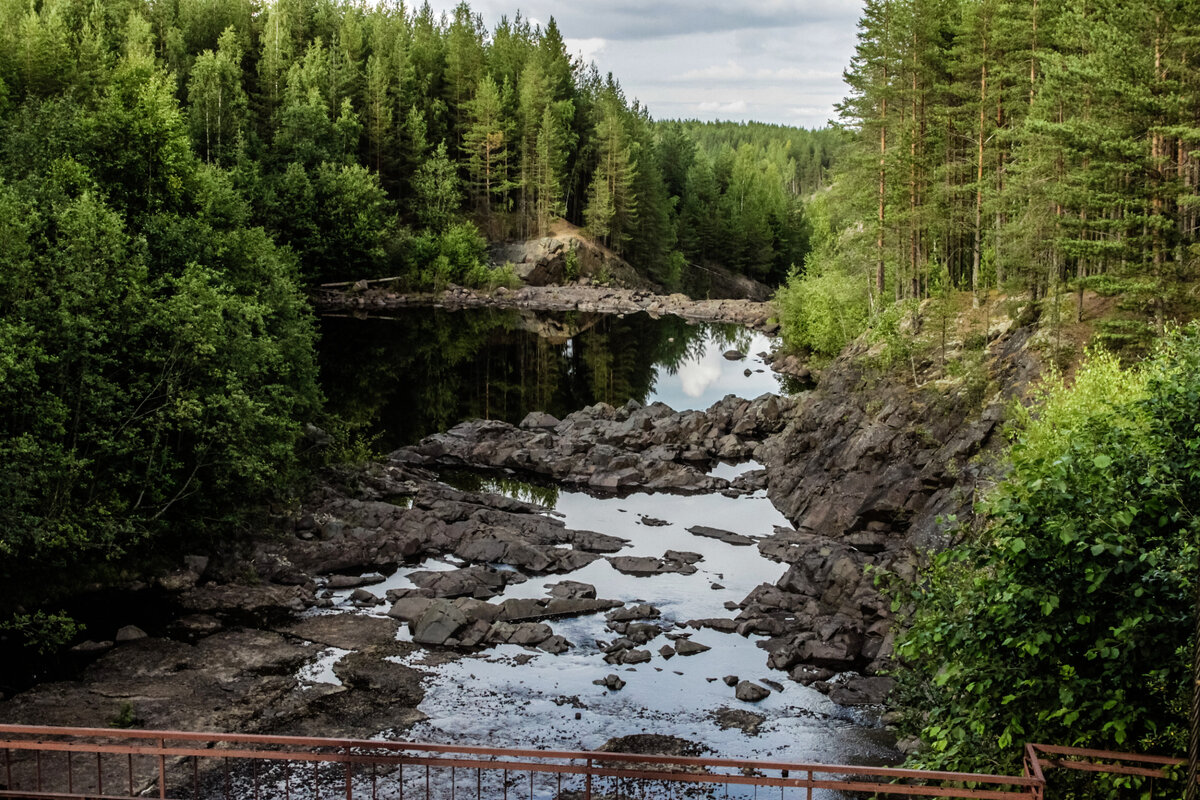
(423, 370)
(480, 483)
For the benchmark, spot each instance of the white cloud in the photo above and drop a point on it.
(735, 107)
(696, 376)
(586, 49)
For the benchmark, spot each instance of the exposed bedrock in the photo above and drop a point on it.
(605, 449)
(867, 468)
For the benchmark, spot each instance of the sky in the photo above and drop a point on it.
(775, 61)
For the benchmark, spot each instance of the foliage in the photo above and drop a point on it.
(821, 311)
(1042, 146)
(156, 353)
(1068, 618)
(40, 631)
(347, 126)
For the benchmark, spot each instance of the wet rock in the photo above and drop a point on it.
(734, 355)
(653, 744)
(439, 622)
(130, 633)
(641, 633)
(362, 597)
(725, 536)
(730, 680)
(749, 692)
(353, 581)
(653, 522)
(635, 656)
(642, 566)
(89, 648)
(630, 613)
(861, 691)
(666, 651)
(474, 581)
(552, 608)
(572, 590)
(686, 647)
(806, 674)
(611, 682)
(410, 609)
(522, 633)
(555, 645)
(775, 685)
(715, 623)
(746, 721)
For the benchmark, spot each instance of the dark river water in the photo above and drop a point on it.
(416, 372)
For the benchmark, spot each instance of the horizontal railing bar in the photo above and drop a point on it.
(1059, 750)
(342, 757)
(367, 744)
(694, 770)
(27, 793)
(1112, 769)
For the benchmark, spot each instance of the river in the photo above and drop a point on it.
(403, 377)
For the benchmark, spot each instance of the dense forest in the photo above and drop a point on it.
(173, 174)
(1036, 151)
(1043, 147)
(379, 140)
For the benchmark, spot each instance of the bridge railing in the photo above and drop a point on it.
(107, 764)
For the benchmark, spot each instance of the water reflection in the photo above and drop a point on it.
(420, 371)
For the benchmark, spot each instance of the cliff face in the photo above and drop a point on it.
(869, 452)
(864, 468)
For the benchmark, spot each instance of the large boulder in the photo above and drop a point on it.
(440, 621)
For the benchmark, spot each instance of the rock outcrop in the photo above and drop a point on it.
(607, 449)
(865, 468)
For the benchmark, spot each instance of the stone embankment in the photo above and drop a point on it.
(376, 297)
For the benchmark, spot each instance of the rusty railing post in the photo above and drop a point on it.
(349, 776)
(587, 794)
(162, 769)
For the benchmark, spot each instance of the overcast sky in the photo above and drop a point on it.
(770, 60)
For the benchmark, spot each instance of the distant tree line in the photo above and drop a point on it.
(1041, 146)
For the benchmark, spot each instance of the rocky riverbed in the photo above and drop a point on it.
(397, 599)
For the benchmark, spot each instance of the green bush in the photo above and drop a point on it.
(1068, 619)
(821, 311)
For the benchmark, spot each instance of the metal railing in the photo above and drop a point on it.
(51, 762)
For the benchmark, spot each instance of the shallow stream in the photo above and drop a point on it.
(511, 696)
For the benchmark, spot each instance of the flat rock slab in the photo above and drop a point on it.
(729, 537)
(532, 610)
(345, 631)
(686, 647)
(672, 562)
(861, 691)
(746, 721)
(630, 613)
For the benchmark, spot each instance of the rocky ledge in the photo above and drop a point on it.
(607, 449)
(373, 296)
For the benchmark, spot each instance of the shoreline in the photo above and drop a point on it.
(362, 296)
